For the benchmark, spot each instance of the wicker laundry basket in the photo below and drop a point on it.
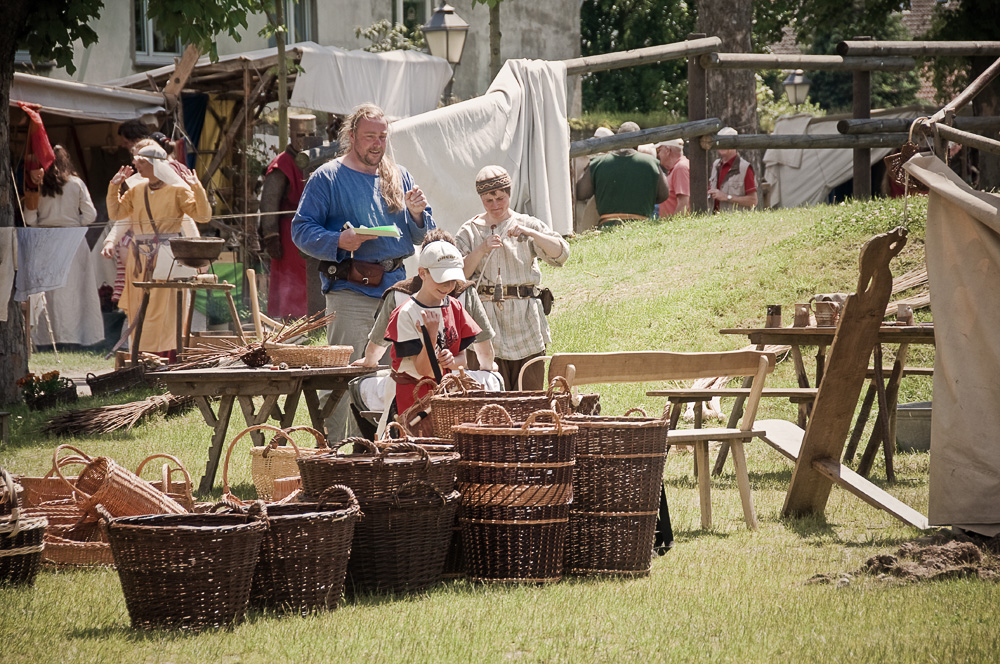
(449, 409)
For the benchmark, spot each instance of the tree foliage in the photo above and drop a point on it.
(385, 35)
(608, 26)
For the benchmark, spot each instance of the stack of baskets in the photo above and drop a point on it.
(517, 485)
(21, 537)
(408, 499)
(616, 493)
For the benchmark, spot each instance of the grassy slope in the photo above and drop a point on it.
(720, 595)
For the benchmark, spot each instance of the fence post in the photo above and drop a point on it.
(697, 110)
(862, 108)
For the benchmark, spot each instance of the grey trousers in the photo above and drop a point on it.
(354, 321)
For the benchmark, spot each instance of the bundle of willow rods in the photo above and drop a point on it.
(252, 353)
(113, 418)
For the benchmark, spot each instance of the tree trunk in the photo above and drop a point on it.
(13, 344)
(495, 62)
(732, 93)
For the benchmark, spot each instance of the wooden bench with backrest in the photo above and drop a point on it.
(649, 366)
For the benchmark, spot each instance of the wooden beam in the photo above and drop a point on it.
(845, 477)
(862, 109)
(223, 149)
(968, 94)
(802, 141)
(641, 56)
(653, 135)
(698, 110)
(963, 137)
(891, 125)
(917, 48)
(182, 72)
(806, 62)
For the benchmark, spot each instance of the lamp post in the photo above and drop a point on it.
(445, 34)
(797, 87)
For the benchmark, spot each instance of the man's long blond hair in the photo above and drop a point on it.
(390, 182)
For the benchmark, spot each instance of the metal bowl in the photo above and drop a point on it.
(196, 252)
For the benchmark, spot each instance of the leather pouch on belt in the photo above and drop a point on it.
(547, 298)
(365, 274)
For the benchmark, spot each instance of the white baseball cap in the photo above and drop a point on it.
(443, 260)
(672, 143)
(603, 132)
(728, 131)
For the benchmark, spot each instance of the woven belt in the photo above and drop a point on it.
(519, 291)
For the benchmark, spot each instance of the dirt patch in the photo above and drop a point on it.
(940, 556)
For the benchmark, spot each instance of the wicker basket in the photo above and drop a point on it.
(401, 544)
(303, 557)
(431, 444)
(377, 474)
(63, 548)
(493, 436)
(312, 356)
(514, 544)
(450, 409)
(10, 498)
(119, 380)
(39, 490)
(21, 542)
(179, 490)
(272, 462)
(188, 571)
(485, 483)
(619, 471)
(121, 492)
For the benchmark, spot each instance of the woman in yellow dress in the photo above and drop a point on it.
(166, 203)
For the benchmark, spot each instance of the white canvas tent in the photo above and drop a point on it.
(84, 101)
(806, 177)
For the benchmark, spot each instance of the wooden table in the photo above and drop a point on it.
(822, 337)
(242, 384)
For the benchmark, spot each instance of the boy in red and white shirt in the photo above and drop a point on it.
(449, 328)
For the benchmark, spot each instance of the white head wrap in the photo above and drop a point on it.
(162, 170)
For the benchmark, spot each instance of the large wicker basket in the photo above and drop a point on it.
(619, 471)
(21, 542)
(303, 557)
(312, 356)
(188, 571)
(401, 544)
(121, 492)
(523, 544)
(377, 474)
(449, 409)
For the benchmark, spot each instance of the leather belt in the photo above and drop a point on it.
(519, 291)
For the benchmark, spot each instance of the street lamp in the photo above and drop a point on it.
(445, 34)
(796, 87)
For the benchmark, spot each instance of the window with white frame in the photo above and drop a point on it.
(300, 17)
(151, 45)
(412, 13)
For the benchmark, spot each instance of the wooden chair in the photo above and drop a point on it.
(647, 366)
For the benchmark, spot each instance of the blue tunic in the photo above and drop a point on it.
(336, 194)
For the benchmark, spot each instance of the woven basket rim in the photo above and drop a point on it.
(615, 422)
(411, 502)
(337, 514)
(142, 523)
(516, 430)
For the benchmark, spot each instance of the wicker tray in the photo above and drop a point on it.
(118, 380)
(313, 356)
(401, 544)
(449, 409)
(20, 542)
(377, 474)
(514, 544)
(303, 557)
(188, 571)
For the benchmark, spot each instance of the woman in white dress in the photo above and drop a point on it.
(71, 314)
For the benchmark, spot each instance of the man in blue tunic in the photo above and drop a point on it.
(362, 188)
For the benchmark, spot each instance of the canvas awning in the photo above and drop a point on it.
(84, 101)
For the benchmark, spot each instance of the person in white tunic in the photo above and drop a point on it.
(502, 249)
(74, 311)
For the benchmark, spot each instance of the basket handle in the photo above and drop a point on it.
(229, 452)
(358, 440)
(103, 514)
(420, 383)
(558, 381)
(414, 483)
(332, 492)
(490, 408)
(400, 448)
(258, 512)
(321, 443)
(635, 410)
(535, 416)
(448, 382)
(168, 472)
(403, 431)
(15, 512)
(57, 465)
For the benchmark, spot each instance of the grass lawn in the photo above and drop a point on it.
(725, 594)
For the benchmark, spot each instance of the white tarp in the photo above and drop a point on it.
(402, 83)
(84, 100)
(963, 266)
(806, 177)
(520, 124)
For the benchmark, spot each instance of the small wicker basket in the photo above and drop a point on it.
(313, 356)
(273, 466)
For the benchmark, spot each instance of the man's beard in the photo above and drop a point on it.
(370, 159)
